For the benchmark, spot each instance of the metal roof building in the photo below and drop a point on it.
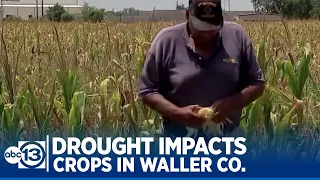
(259, 17)
(26, 9)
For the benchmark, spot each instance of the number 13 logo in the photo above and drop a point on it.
(33, 155)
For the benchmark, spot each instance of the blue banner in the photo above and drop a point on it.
(147, 158)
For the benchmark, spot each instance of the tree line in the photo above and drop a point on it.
(88, 13)
(293, 9)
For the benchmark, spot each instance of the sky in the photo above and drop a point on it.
(235, 5)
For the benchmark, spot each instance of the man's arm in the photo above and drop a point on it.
(161, 105)
(245, 97)
(150, 81)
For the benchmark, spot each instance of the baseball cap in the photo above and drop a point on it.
(206, 15)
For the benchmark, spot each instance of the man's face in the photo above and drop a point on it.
(202, 36)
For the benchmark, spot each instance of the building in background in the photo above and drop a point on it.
(259, 17)
(26, 9)
(180, 15)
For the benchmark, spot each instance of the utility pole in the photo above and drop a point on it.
(2, 10)
(42, 8)
(37, 10)
(229, 4)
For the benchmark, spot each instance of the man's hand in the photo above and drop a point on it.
(188, 116)
(226, 106)
(223, 110)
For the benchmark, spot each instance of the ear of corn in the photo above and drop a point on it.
(206, 113)
(210, 127)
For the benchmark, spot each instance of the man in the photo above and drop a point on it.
(205, 62)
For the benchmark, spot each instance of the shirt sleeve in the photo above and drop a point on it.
(149, 82)
(251, 73)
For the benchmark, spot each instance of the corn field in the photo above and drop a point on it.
(80, 79)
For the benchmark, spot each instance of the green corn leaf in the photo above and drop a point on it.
(292, 79)
(269, 128)
(21, 131)
(1, 88)
(116, 101)
(76, 115)
(46, 126)
(1, 102)
(51, 105)
(105, 118)
(2, 106)
(254, 114)
(134, 128)
(73, 115)
(244, 127)
(140, 61)
(17, 113)
(280, 93)
(262, 57)
(33, 104)
(282, 129)
(22, 100)
(303, 72)
(104, 86)
(277, 72)
(16, 118)
(69, 84)
(82, 105)
(253, 120)
(38, 113)
(5, 126)
(141, 108)
(291, 59)
(7, 68)
(6, 117)
(58, 105)
(71, 88)
(11, 123)
(62, 79)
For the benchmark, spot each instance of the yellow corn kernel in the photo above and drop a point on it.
(206, 113)
(209, 126)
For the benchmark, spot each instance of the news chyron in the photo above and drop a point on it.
(95, 155)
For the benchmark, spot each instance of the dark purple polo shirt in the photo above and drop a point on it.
(175, 71)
